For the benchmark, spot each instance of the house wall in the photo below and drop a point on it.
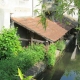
(1, 19)
(4, 19)
(36, 5)
(74, 15)
(23, 33)
(16, 8)
(26, 34)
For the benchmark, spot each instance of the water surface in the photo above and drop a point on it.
(65, 69)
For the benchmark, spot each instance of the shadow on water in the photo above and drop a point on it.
(65, 69)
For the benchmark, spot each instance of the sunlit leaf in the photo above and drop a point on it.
(28, 78)
(20, 74)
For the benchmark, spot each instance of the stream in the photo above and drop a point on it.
(65, 69)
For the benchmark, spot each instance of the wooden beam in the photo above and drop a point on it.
(22, 39)
(32, 36)
(47, 46)
(39, 41)
(33, 40)
(30, 29)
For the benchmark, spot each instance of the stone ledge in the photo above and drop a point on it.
(39, 67)
(36, 69)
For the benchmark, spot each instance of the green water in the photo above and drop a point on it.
(65, 69)
(71, 68)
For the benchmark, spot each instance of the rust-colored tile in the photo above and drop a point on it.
(54, 31)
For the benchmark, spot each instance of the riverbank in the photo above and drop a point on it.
(41, 66)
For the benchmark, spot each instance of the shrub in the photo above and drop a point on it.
(51, 56)
(24, 60)
(8, 69)
(60, 45)
(29, 56)
(9, 42)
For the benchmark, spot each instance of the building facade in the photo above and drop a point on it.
(16, 8)
(25, 8)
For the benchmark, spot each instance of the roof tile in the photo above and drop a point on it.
(53, 32)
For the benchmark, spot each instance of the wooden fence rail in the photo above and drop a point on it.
(33, 40)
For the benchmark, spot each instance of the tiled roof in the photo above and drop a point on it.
(53, 32)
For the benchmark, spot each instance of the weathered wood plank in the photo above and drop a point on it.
(23, 39)
(32, 37)
(33, 40)
(39, 41)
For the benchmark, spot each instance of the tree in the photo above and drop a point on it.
(60, 7)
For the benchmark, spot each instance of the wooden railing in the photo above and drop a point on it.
(33, 40)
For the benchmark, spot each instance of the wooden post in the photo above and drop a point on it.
(47, 46)
(32, 36)
(51, 42)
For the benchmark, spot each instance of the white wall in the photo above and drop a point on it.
(35, 3)
(4, 18)
(74, 15)
(18, 8)
(1, 19)
(22, 8)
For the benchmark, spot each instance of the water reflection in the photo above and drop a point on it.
(69, 76)
(65, 69)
